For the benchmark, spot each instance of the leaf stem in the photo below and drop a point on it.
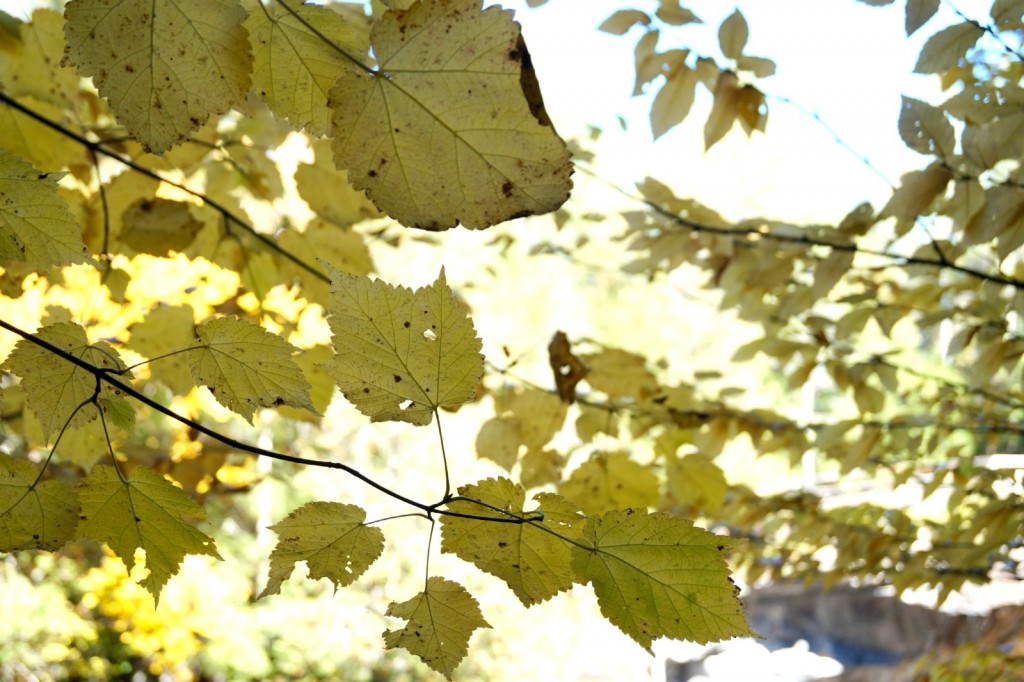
(229, 216)
(105, 375)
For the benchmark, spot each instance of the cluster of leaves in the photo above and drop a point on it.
(142, 275)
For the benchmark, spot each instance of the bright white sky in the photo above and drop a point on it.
(843, 59)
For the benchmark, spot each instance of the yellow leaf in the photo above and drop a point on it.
(35, 224)
(143, 511)
(344, 249)
(246, 367)
(401, 354)
(539, 415)
(54, 388)
(648, 61)
(295, 67)
(925, 128)
(723, 111)
(619, 373)
(673, 101)
(697, 483)
(611, 481)
(659, 576)
(45, 148)
(159, 226)
(622, 20)
(541, 467)
(328, 191)
(672, 13)
(498, 440)
(917, 191)
(533, 562)
(332, 538)
(33, 514)
(165, 66)
(167, 329)
(733, 34)
(442, 618)
(945, 49)
(451, 127)
(34, 68)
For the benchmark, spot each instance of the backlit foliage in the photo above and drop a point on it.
(157, 278)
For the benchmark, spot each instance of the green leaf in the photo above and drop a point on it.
(246, 367)
(442, 618)
(35, 224)
(659, 576)
(401, 354)
(54, 388)
(295, 67)
(611, 481)
(533, 562)
(144, 511)
(451, 128)
(34, 514)
(945, 49)
(332, 539)
(165, 65)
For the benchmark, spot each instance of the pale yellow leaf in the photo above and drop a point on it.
(56, 390)
(498, 440)
(164, 337)
(332, 538)
(35, 224)
(451, 127)
(142, 511)
(297, 60)
(344, 249)
(619, 373)
(401, 354)
(673, 101)
(34, 68)
(328, 191)
(697, 483)
(925, 128)
(34, 514)
(165, 66)
(671, 12)
(246, 367)
(158, 226)
(916, 192)
(733, 34)
(948, 47)
(724, 110)
(622, 20)
(759, 66)
(648, 61)
(611, 481)
(441, 619)
(45, 148)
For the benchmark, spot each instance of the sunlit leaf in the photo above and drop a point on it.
(916, 192)
(947, 48)
(56, 390)
(451, 127)
(925, 128)
(622, 20)
(164, 337)
(919, 12)
(723, 111)
(673, 101)
(660, 576)
(143, 511)
(733, 34)
(611, 481)
(533, 562)
(296, 60)
(165, 66)
(34, 514)
(35, 224)
(442, 618)
(246, 367)
(400, 353)
(35, 69)
(332, 538)
(158, 226)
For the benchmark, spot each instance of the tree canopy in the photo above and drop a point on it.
(176, 300)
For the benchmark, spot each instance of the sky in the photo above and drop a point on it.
(842, 59)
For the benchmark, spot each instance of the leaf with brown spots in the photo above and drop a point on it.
(450, 127)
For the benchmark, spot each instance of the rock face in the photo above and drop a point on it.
(875, 638)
